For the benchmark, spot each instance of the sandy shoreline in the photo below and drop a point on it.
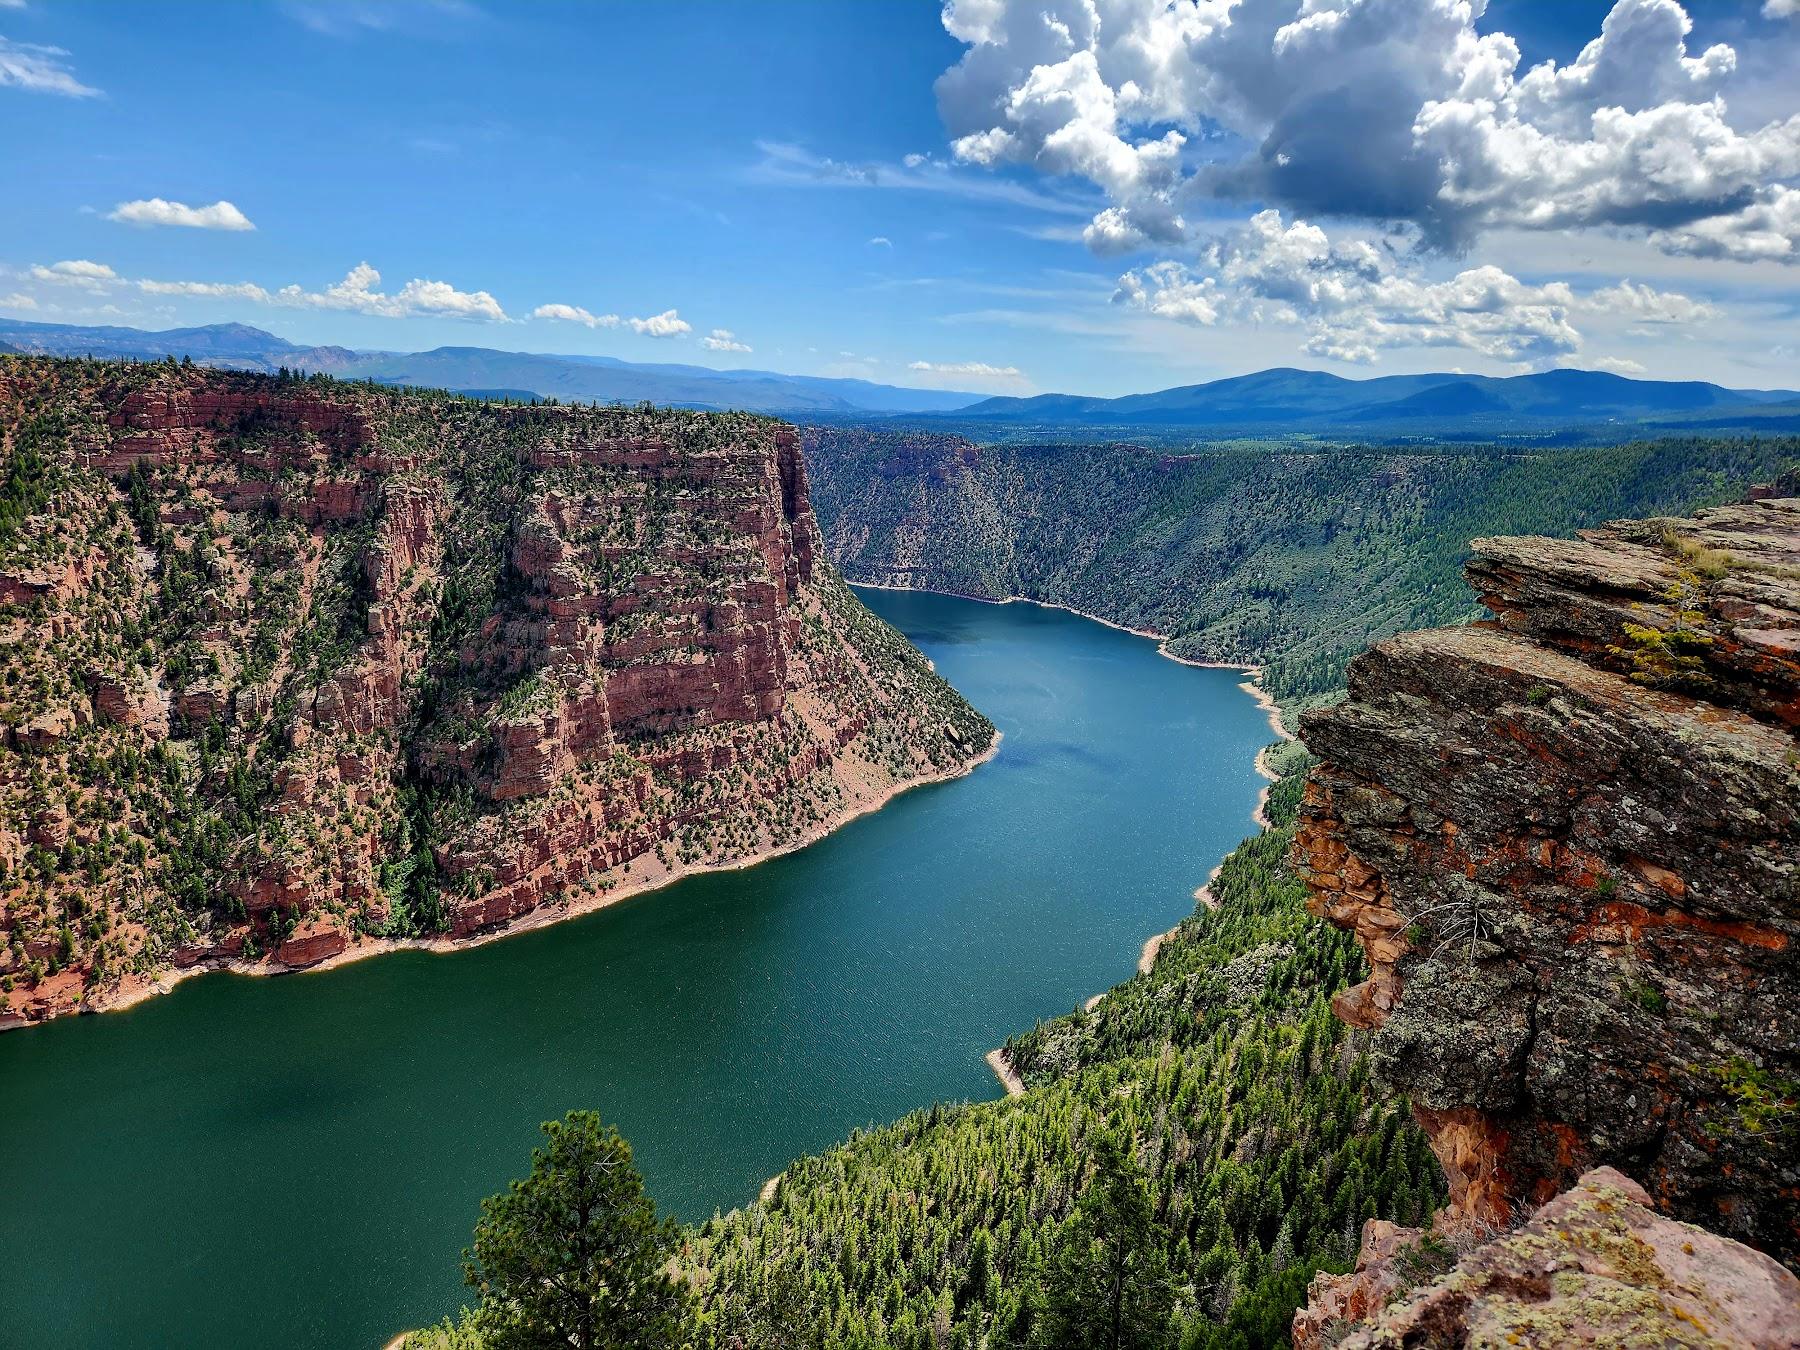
(1204, 894)
(1004, 1071)
(538, 918)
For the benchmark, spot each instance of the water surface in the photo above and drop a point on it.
(298, 1161)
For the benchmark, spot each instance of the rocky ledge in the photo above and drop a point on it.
(1569, 842)
(1596, 1266)
(290, 669)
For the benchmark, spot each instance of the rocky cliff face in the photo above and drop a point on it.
(291, 667)
(1569, 841)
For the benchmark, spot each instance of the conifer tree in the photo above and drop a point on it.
(1107, 1286)
(573, 1256)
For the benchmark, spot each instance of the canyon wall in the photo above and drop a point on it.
(1286, 556)
(295, 667)
(1568, 840)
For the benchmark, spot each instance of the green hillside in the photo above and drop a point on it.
(1287, 556)
(1238, 1101)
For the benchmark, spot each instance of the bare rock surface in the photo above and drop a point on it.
(1597, 1266)
(1569, 842)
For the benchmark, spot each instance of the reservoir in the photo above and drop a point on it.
(299, 1161)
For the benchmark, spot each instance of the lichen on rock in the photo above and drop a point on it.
(1597, 1266)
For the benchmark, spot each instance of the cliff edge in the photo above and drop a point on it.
(290, 669)
(1568, 841)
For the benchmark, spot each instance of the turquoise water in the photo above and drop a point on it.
(298, 1161)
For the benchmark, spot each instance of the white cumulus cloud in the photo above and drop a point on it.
(418, 298)
(79, 268)
(1353, 300)
(91, 276)
(1614, 365)
(722, 340)
(220, 215)
(1113, 231)
(668, 324)
(1645, 304)
(976, 369)
(1764, 230)
(1382, 110)
(575, 314)
(356, 293)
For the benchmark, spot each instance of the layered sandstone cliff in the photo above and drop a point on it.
(1569, 842)
(294, 667)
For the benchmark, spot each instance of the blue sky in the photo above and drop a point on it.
(1092, 205)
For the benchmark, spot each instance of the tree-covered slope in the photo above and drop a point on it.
(1290, 556)
(1223, 1075)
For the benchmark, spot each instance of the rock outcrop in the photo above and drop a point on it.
(1597, 1266)
(1569, 842)
(292, 667)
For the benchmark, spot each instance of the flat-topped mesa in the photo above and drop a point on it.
(292, 666)
(1569, 842)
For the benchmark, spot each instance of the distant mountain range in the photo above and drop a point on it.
(1397, 404)
(486, 372)
(1270, 401)
(1313, 400)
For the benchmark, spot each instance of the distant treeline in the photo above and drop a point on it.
(1291, 556)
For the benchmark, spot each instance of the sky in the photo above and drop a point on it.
(1006, 196)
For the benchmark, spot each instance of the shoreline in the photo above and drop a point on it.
(1253, 674)
(1004, 1071)
(1152, 945)
(1203, 895)
(542, 917)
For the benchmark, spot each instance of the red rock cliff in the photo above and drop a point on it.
(1569, 841)
(295, 666)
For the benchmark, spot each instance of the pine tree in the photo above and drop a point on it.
(1107, 1286)
(573, 1255)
